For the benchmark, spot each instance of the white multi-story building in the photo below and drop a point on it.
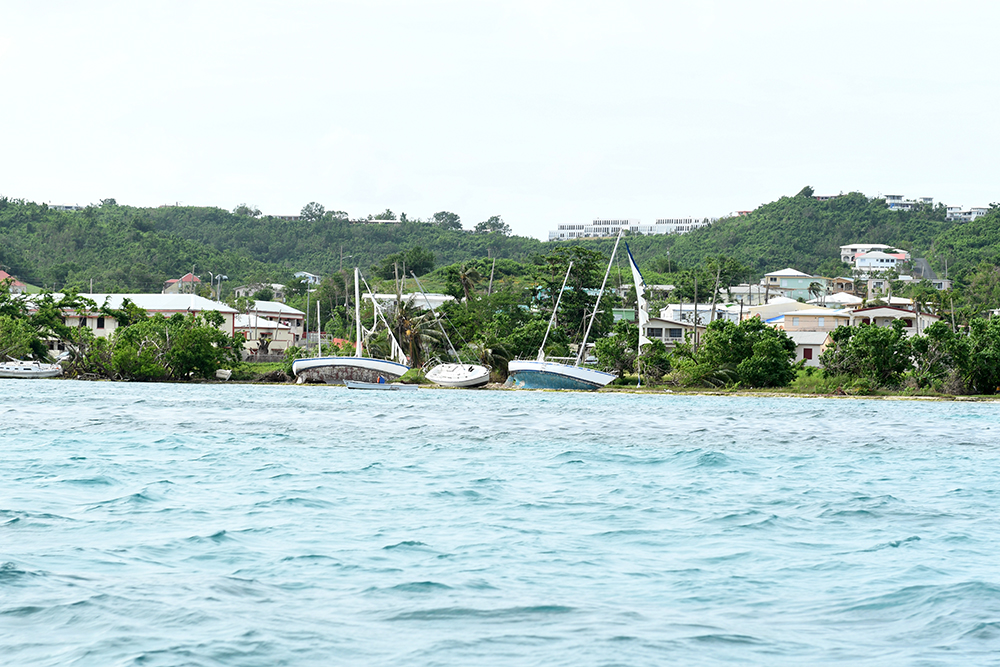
(956, 214)
(898, 203)
(611, 227)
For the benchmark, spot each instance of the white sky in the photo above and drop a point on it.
(541, 111)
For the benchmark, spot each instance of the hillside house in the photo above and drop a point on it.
(794, 284)
(186, 284)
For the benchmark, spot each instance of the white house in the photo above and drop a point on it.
(877, 261)
(883, 316)
(310, 278)
(670, 332)
(162, 304)
(848, 253)
(809, 345)
(685, 312)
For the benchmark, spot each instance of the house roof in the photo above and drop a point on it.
(878, 254)
(159, 303)
(789, 273)
(842, 298)
(186, 278)
(254, 322)
(873, 310)
(821, 312)
(808, 337)
(14, 281)
(663, 320)
(275, 307)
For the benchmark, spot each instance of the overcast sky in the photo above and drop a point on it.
(540, 111)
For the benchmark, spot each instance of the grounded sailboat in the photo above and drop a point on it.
(359, 368)
(457, 375)
(29, 369)
(542, 374)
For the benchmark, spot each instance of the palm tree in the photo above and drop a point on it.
(467, 276)
(416, 329)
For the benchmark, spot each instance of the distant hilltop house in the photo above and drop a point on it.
(956, 214)
(899, 203)
(277, 290)
(309, 278)
(14, 286)
(611, 226)
(186, 284)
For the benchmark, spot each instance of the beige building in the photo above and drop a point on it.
(260, 331)
(816, 319)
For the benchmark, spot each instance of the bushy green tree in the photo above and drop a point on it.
(493, 224)
(617, 352)
(938, 354)
(761, 355)
(878, 354)
(982, 372)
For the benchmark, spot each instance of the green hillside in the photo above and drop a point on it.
(124, 248)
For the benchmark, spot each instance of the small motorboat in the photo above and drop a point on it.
(379, 386)
(29, 369)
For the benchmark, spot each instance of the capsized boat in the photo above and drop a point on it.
(541, 374)
(459, 375)
(29, 369)
(535, 374)
(359, 368)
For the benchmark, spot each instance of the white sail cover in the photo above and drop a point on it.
(640, 290)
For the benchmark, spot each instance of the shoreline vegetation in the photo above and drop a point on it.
(271, 373)
(504, 289)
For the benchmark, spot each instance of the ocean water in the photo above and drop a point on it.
(282, 525)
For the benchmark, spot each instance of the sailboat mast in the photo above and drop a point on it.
(583, 345)
(357, 315)
(541, 350)
(436, 318)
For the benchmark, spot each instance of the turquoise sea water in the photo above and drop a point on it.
(282, 525)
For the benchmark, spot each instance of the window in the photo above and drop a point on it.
(795, 321)
(654, 332)
(807, 353)
(821, 321)
(675, 333)
(100, 322)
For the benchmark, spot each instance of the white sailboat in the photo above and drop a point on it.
(458, 375)
(541, 374)
(29, 369)
(358, 368)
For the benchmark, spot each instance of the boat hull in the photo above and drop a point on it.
(550, 375)
(29, 369)
(459, 375)
(334, 370)
(380, 386)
